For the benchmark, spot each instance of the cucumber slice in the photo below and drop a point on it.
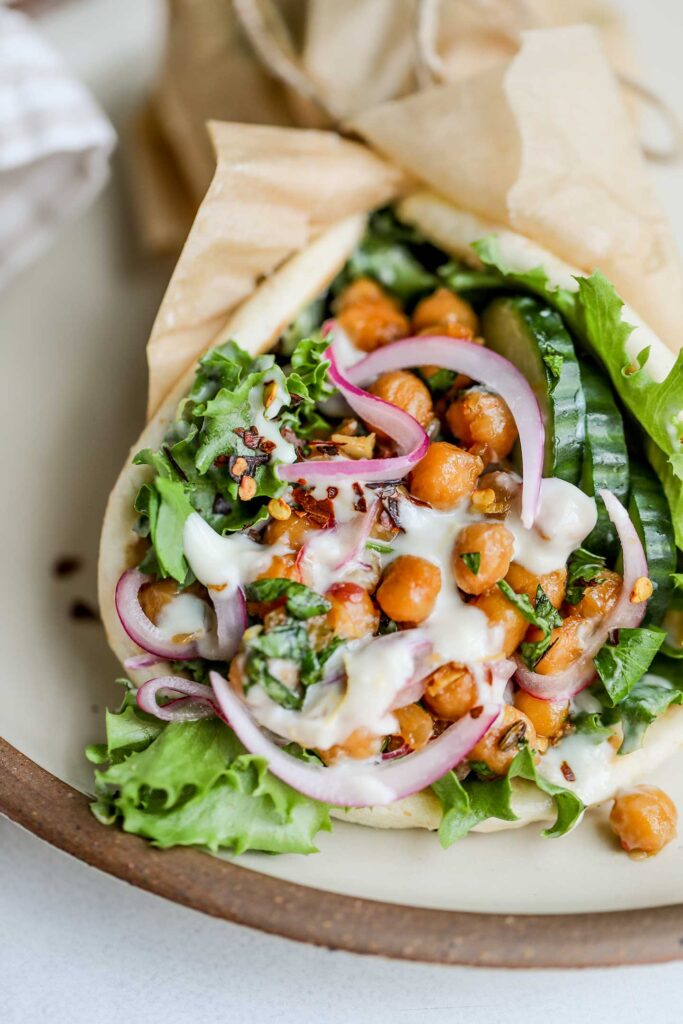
(651, 517)
(605, 460)
(532, 336)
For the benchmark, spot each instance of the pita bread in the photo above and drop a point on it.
(257, 325)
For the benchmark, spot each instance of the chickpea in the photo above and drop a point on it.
(501, 612)
(409, 589)
(497, 747)
(566, 646)
(361, 291)
(353, 614)
(546, 716)
(360, 745)
(524, 582)
(445, 475)
(450, 692)
(644, 819)
(406, 391)
(480, 418)
(444, 307)
(282, 567)
(415, 726)
(600, 597)
(155, 596)
(494, 546)
(293, 532)
(371, 324)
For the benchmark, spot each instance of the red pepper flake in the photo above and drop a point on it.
(332, 493)
(266, 445)
(222, 460)
(360, 504)
(567, 772)
(320, 512)
(476, 711)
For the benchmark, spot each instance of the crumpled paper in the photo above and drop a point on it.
(544, 145)
(274, 189)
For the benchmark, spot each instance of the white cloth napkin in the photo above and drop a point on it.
(55, 144)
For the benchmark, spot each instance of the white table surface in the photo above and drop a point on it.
(79, 946)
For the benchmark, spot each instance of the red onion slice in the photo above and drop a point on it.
(139, 627)
(624, 615)
(231, 621)
(197, 703)
(487, 367)
(411, 440)
(352, 784)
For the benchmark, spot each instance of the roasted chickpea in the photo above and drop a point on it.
(508, 734)
(566, 644)
(490, 547)
(353, 614)
(600, 597)
(644, 819)
(282, 567)
(155, 596)
(409, 589)
(371, 324)
(406, 391)
(524, 582)
(480, 418)
(444, 307)
(546, 716)
(360, 745)
(293, 531)
(361, 291)
(450, 692)
(501, 612)
(415, 726)
(445, 475)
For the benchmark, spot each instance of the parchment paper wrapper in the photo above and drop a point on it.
(541, 144)
(356, 53)
(544, 145)
(468, 37)
(274, 189)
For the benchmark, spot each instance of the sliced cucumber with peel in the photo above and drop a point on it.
(605, 461)
(533, 337)
(649, 511)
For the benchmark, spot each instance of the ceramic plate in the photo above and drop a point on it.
(76, 326)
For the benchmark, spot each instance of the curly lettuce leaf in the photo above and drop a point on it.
(660, 688)
(466, 804)
(195, 785)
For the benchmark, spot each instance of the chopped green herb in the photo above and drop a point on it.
(472, 560)
(583, 568)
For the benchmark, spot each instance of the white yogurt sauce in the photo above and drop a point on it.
(565, 518)
(377, 669)
(458, 631)
(233, 560)
(591, 763)
(185, 616)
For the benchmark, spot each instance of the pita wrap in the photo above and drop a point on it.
(257, 325)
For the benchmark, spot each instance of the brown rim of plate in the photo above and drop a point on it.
(60, 815)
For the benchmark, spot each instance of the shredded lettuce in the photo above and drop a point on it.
(621, 665)
(466, 804)
(660, 688)
(193, 784)
(593, 313)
